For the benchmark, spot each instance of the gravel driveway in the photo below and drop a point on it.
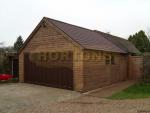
(27, 98)
(19, 97)
(88, 104)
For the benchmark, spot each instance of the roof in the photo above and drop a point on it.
(120, 42)
(87, 38)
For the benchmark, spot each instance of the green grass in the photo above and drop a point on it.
(137, 91)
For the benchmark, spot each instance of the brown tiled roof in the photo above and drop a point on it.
(89, 39)
(120, 42)
(86, 38)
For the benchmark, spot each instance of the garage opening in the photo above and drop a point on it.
(50, 69)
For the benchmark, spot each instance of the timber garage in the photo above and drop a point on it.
(67, 56)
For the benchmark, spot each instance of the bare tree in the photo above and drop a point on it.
(1, 44)
(148, 32)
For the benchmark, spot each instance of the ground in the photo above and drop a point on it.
(136, 91)
(16, 97)
(27, 98)
(112, 89)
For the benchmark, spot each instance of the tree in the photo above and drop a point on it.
(4, 61)
(148, 33)
(1, 59)
(18, 44)
(141, 41)
(1, 44)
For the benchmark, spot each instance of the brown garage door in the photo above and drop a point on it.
(55, 73)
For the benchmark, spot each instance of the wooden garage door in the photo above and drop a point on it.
(54, 73)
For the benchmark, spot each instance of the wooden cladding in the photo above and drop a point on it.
(106, 71)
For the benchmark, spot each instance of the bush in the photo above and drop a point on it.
(14, 80)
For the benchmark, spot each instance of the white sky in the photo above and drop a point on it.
(120, 17)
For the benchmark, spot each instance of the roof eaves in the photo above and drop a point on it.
(105, 50)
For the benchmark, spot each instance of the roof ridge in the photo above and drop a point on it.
(69, 24)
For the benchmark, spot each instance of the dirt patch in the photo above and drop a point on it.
(109, 90)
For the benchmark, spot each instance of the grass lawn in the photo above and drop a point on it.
(137, 91)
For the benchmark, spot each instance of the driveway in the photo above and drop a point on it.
(88, 104)
(27, 98)
(18, 97)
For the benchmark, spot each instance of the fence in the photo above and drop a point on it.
(146, 65)
(135, 67)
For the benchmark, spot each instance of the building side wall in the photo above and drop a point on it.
(98, 74)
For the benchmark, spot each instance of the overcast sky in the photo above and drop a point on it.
(120, 17)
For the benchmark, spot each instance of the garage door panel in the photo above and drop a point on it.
(55, 74)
